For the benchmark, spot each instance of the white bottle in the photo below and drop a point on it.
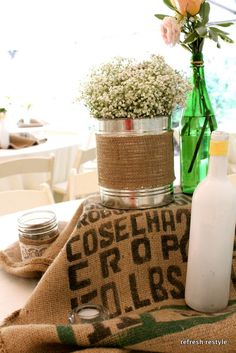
(211, 240)
(4, 134)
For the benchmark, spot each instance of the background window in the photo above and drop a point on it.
(47, 47)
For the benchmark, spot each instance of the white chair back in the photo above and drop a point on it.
(81, 165)
(19, 200)
(82, 184)
(84, 156)
(232, 178)
(28, 165)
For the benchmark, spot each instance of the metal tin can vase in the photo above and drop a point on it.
(135, 162)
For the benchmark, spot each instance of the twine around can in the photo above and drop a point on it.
(134, 162)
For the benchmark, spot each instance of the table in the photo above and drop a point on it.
(63, 146)
(14, 290)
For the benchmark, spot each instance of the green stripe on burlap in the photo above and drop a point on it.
(66, 334)
(150, 329)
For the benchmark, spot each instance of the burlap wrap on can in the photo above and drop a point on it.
(134, 263)
(145, 161)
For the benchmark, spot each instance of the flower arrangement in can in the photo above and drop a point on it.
(126, 88)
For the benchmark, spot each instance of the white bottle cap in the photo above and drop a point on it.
(219, 136)
(219, 143)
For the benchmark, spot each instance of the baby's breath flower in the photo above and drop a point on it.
(125, 88)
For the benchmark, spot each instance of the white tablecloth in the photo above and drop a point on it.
(64, 147)
(15, 291)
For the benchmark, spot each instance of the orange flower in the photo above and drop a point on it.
(193, 6)
(180, 5)
(190, 6)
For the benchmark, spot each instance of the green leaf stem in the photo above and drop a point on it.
(218, 31)
(185, 46)
(201, 31)
(201, 45)
(169, 4)
(204, 12)
(198, 145)
(192, 37)
(160, 16)
(226, 39)
(226, 24)
(213, 35)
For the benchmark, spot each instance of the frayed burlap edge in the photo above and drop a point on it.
(31, 268)
(10, 318)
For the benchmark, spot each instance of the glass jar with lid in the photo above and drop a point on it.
(37, 230)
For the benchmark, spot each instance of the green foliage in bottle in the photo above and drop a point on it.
(197, 122)
(190, 27)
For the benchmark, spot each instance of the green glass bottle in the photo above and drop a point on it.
(197, 122)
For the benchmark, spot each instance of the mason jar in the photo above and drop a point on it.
(37, 230)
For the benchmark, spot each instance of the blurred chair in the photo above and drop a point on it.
(29, 165)
(232, 178)
(84, 161)
(91, 140)
(19, 200)
(82, 184)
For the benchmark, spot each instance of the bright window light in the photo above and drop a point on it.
(48, 47)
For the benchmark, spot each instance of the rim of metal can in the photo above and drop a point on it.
(137, 199)
(135, 126)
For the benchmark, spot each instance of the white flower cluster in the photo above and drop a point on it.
(125, 88)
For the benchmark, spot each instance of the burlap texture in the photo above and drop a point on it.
(146, 161)
(134, 263)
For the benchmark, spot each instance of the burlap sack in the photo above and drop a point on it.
(134, 263)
